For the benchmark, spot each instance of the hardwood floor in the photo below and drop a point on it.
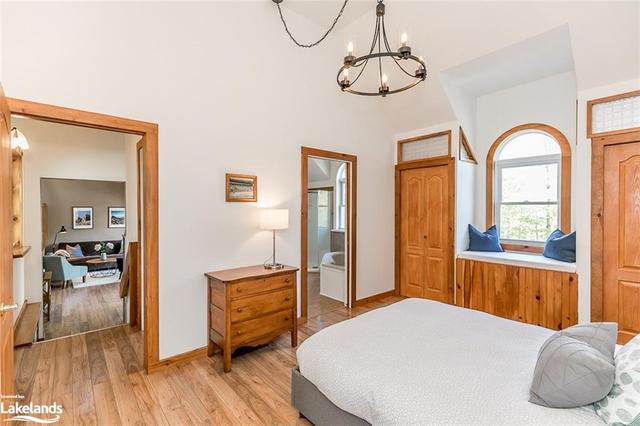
(78, 310)
(98, 378)
(318, 304)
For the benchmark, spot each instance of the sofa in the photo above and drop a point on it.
(89, 251)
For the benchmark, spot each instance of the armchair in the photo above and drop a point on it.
(62, 270)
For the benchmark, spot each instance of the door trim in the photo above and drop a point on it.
(598, 144)
(450, 163)
(350, 235)
(149, 133)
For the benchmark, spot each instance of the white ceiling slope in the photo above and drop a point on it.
(600, 40)
(533, 59)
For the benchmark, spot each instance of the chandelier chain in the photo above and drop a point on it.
(286, 28)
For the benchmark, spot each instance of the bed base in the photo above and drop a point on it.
(315, 407)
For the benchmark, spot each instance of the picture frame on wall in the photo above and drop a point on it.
(241, 188)
(82, 217)
(117, 217)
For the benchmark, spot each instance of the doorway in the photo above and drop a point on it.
(328, 248)
(148, 135)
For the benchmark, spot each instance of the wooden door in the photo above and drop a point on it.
(425, 242)
(6, 253)
(622, 238)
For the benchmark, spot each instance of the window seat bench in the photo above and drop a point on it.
(519, 286)
(524, 260)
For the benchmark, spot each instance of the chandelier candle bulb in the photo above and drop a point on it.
(403, 39)
(350, 49)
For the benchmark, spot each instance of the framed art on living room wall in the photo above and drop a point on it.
(82, 217)
(117, 217)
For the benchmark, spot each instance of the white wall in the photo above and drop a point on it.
(231, 94)
(59, 151)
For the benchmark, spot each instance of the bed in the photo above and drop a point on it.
(424, 362)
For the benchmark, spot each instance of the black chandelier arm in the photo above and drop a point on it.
(386, 42)
(390, 92)
(286, 27)
(362, 60)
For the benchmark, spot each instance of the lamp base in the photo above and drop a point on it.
(273, 266)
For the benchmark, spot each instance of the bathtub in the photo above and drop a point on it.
(332, 276)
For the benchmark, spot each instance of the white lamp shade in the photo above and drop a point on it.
(274, 219)
(18, 140)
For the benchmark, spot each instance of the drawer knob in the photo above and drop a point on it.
(287, 280)
(286, 318)
(239, 310)
(286, 299)
(238, 289)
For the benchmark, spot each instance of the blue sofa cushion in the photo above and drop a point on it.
(484, 241)
(561, 246)
(75, 251)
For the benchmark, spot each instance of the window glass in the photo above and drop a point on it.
(527, 187)
(530, 183)
(341, 197)
(529, 144)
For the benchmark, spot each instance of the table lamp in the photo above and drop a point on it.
(272, 220)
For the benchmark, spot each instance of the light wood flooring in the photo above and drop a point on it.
(78, 310)
(316, 303)
(98, 378)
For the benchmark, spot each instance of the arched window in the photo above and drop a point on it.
(341, 197)
(528, 179)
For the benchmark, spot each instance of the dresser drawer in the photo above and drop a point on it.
(250, 307)
(247, 288)
(244, 332)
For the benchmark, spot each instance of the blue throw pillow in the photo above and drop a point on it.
(75, 251)
(561, 246)
(484, 241)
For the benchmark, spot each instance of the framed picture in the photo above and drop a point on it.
(82, 218)
(117, 217)
(241, 188)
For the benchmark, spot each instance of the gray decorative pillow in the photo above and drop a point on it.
(575, 366)
(622, 405)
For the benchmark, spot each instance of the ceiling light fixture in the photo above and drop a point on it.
(381, 44)
(18, 140)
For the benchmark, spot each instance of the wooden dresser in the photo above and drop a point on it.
(250, 307)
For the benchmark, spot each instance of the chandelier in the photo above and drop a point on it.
(414, 67)
(379, 50)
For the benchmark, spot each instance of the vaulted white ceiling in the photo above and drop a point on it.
(601, 38)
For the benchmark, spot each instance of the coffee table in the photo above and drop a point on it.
(105, 272)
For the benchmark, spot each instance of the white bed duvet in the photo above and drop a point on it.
(424, 362)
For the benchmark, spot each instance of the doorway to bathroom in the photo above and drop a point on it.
(328, 231)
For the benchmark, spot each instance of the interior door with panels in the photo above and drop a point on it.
(425, 237)
(622, 238)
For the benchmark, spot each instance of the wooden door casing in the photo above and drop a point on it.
(621, 272)
(6, 252)
(425, 233)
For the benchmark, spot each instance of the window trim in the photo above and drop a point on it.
(564, 174)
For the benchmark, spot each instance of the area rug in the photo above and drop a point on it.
(91, 281)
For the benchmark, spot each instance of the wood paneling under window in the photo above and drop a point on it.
(533, 296)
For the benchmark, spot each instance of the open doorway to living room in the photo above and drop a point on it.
(84, 235)
(79, 216)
